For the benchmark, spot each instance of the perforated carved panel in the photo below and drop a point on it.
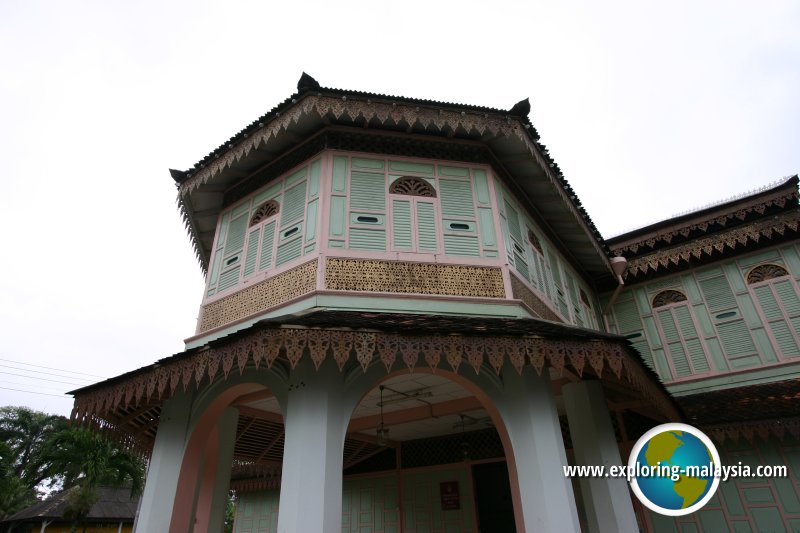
(417, 278)
(269, 293)
(529, 298)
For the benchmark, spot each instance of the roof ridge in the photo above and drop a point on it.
(739, 196)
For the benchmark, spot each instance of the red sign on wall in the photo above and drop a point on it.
(451, 499)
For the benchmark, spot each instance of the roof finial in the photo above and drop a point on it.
(306, 83)
(521, 108)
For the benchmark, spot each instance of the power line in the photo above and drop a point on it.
(45, 373)
(40, 393)
(41, 379)
(51, 368)
(39, 386)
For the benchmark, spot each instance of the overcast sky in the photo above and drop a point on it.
(649, 108)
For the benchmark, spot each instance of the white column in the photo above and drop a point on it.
(227, 441)
(607, 500)
(315, 426)
(545, 500)
(155, 511)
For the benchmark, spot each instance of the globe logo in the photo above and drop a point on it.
(673, 469)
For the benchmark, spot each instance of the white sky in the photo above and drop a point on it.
(649, 108)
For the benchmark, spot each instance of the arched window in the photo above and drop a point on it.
(778, 303)
(667, 297)
(412, 186)
(268, 209)
(414, 207)
(680, 334)
(765, 272)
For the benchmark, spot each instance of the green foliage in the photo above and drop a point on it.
(230, 513)
(36, 448)
(14, 494)
(25, 432)
(79, 456)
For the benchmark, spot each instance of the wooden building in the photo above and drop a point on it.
(411, 324)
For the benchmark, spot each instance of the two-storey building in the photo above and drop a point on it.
(411, 324)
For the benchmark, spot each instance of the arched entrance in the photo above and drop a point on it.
(423, 453)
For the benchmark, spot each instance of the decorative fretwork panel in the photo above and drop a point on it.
(476, 445)
(415, 278)
(668, 297)
(766, 272)
(534, 240)
(412, 186)
(264, 211)
(529, 298)
(263, 347)
(269, 293)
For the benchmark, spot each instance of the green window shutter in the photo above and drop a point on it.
(627, 317)
(697, 355)
(540, 273)
(294, 204)
(252, 252)
(463, 245)
(456, 198)
(783, 325)
(229, 278)
(694, 348)
(784, 338)
(512, 218)
(401, 224)
(213, 276)
(236, 232)
(521, 266)
(672, 341)
(679, 359)
(786, 293)
(735, 338)
(267, 241)
(368, 239)
(288, 251)
(426, 227)
(718, 294)
(668, 326)
(768, 302)
(367, 191)
(684, 320)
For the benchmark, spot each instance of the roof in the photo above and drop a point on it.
(113, 505)
(765, 217)
(317, 118)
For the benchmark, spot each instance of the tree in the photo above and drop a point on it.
(38, 449)
(14, 494)
(83, 460)
(23, 435)
(26, 431)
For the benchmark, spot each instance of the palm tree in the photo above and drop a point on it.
(23, 435)
(84, 460)
(26, 431)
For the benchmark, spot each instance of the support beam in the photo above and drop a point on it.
(423, 412)
(607, 500)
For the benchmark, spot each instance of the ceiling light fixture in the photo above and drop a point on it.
(383, 431)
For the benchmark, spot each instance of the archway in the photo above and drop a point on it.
(418, 446)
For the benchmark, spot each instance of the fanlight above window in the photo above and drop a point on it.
(668, 297)
(264, 211)
(534, 240)
(412, 186)
(765, 272)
